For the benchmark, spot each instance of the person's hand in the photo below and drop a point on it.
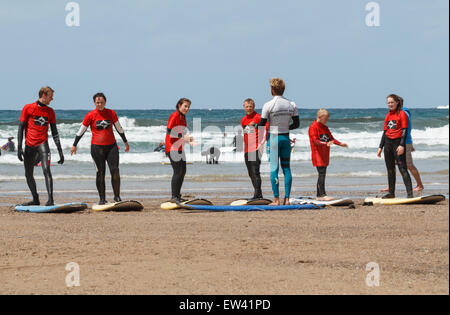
(127, 147)
(400, 150)
(20, 154)
(379, 152)
(73, 150)
(61, 158)
(412, 149)
(345, 145)
(329, 144)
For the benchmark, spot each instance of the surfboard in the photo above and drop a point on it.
(251, 202)
(429, 199)
(254, 208)
(168, 163)
(169, 205)
(121, 206)
(64, 208)
(335, 203)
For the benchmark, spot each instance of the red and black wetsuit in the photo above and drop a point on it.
(252, 155)
(34, 121)
(394, 135)
(176, 129)
(319, 136)
(104, 148)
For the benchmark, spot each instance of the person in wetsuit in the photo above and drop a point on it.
(34, 122)
(321, 140)
(176, 138)
(409, 160)
(393, 142)
(278, 113)
(252, 155)
(103, 145)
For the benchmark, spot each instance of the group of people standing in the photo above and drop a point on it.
(270, 129)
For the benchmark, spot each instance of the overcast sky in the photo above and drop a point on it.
(147, 54)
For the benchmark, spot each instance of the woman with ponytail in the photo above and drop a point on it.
(393, 142)
(176, 137)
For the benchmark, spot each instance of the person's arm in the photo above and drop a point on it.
(121, 132)
(383, 140)
(20, 140)
(55, 136)
(295, 123)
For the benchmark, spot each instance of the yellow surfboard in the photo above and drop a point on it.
(430, 199)
(121, 206)
(173, 206)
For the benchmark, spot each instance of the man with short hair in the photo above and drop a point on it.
(252, 155)
(278, 113)
(34, 122)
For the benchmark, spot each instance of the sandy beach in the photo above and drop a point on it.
(185, 252)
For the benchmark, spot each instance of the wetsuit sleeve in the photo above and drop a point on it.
(20, 134)
(295, 123)
(383, 140)
(55, 136)
(80, 134)
(336, 142)
(403, 138)
(120, 131)
(262, 122)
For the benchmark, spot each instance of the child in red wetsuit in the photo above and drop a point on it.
(321, 139)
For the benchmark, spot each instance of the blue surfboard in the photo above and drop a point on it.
(64, 208)
(254, 208)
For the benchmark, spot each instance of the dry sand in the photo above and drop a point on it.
(180, 252)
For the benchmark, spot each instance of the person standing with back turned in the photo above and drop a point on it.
(34, 122)
(278, 113)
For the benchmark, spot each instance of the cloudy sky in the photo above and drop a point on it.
(147, 54)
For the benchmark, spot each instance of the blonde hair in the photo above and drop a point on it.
(322, 112)
(277, 86)
(45, 90)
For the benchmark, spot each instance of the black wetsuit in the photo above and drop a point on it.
(35, 154)
(253, 163)
(321, 181)
(178, 162)
(391, 158)
(104, 148)
(102, 154)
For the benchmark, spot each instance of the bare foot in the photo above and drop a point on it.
(418, 188)
(385, 189)
(276, 202)
(286, 202)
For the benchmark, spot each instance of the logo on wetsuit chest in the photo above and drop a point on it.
(102, 124)
(392, 124)
(324, 138)
(40, 121)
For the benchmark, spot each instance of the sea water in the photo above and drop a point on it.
(352, 169)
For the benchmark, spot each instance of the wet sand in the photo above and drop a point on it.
(185, 252)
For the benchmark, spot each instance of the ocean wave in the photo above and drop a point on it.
(443, 107)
